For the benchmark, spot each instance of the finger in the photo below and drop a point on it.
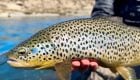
(85, 63)
(92, 60)
(94, 65)
(75, 65)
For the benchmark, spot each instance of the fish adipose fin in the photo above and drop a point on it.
(126, 72)
(63, 70)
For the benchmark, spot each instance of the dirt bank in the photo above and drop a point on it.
(12, 8)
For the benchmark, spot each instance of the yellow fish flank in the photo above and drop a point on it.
(114, 45)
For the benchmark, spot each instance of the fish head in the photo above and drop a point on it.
(19, 57)
(33, 55)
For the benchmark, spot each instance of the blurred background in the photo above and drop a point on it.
(19, 19)
(12, 8)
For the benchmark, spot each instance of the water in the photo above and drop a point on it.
(15, 30)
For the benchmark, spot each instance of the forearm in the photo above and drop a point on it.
(103, 8)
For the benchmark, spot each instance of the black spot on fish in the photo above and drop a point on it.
(56, 38)
(29, 57)
(60, 54)
(37, 45)
(89, 46)
(42, 42)
(90, 54)
(81, 29)
(83, 48)
(44, 53)
(21, 58)
(74, 42)
(74, 49)
(47, 46)
(85, 53)
(86, 42)
(78, 39)
(42, 47)
(62, 44)
(44, 58)
(66, 50)
(78, 46)
(49, 58)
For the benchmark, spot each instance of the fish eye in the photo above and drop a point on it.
(22, 51)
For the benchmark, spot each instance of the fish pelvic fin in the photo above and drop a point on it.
(126, 72)
(63, 70)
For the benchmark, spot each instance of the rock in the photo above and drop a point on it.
(12, 6)
(5, 14)
(20, 3)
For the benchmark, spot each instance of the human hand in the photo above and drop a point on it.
(82, 68)
(84, 64)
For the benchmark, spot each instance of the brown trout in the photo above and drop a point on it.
(114, 45)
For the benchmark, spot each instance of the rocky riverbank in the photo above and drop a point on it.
(16, 8)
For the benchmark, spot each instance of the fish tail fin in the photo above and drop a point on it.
(126, 72)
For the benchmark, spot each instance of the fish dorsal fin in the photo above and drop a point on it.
(126, 72)
(63, 70)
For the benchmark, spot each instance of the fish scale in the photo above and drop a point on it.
(113, 44)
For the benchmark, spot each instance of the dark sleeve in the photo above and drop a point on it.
(80, 75)
(131, 15)
(103, 8)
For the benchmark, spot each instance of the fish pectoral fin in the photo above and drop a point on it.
(126, 72)
(63, 70)
(42, 67)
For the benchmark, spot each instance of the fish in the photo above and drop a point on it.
(112, 44)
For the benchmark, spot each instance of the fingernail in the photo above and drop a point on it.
(94, 65)
(76, 64)
(85, 62)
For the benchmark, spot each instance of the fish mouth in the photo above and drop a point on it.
(18, 63)
(12, 59)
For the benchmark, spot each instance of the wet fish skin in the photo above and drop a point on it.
(113, 44)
